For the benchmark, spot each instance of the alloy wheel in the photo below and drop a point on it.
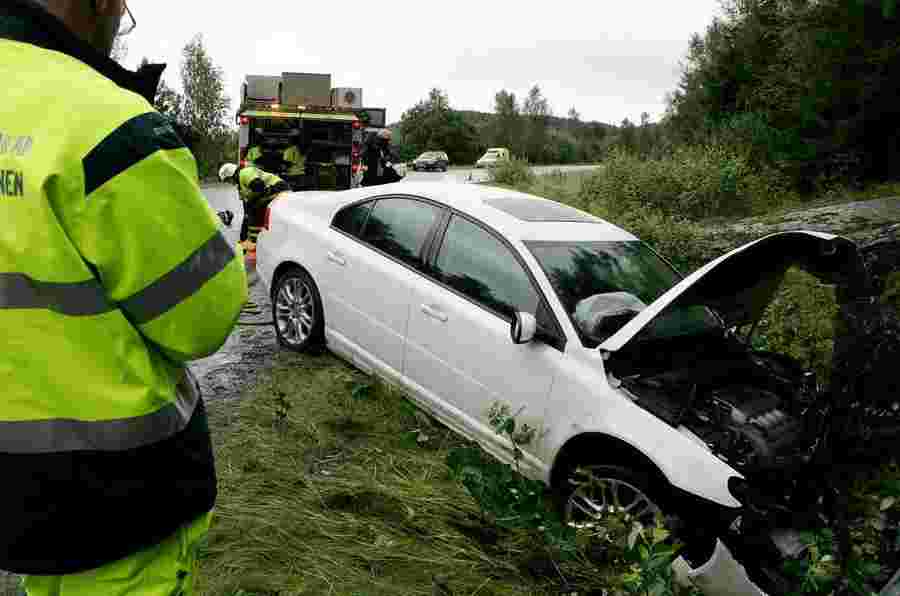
(295, 311)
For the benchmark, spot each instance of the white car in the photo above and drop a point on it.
(639, 388)
(493, 157)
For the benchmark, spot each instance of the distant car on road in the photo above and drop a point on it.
(431, 160)
(642, 395)
(493, 157)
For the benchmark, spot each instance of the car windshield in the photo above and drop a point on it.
(602, 285)
(429, 156)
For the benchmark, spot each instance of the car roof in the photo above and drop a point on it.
(516, 215)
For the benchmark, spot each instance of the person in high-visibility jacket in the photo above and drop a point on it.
(256, 188)
(253, 154)
(113, 275)
(296, 161)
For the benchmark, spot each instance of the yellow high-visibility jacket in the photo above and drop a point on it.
(113, 275)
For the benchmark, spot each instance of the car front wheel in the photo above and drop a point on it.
(595, 492)
(297, 312)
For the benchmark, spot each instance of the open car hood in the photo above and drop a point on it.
(740, 284)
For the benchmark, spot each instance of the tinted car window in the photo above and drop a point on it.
(474, 262)
(351, 219)
(399, 227)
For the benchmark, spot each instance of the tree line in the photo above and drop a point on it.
(807, 88)
(528, 128)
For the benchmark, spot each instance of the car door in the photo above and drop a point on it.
(459, 351)
(376, 253)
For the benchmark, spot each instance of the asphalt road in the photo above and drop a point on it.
(461, 175)
(225, 197)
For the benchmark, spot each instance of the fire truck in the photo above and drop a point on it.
(303, 110)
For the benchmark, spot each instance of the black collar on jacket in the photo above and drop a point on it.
(25, 21)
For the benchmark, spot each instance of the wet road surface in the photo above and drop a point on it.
(251, 347)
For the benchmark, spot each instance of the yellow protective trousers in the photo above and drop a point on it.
(165, 569)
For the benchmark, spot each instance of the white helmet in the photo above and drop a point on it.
(227, 171)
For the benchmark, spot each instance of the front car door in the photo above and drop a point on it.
(377, 251)
(459, 353)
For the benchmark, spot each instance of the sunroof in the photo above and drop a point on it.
(534, 209)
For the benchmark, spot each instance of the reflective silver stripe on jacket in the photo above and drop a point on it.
(86, 298)
(57, 435)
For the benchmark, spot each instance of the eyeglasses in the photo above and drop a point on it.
(126, 26)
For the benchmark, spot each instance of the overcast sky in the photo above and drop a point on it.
(610, 59)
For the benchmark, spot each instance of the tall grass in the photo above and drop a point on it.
(347, 492)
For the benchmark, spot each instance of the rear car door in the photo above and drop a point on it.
(459, 353)
(376, 252)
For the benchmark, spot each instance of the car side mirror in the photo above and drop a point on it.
(523, 328)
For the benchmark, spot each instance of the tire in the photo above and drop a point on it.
(698, 541)
(297, 312)
(636, 492)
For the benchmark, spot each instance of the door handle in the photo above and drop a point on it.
(434, 313)
(336, 258)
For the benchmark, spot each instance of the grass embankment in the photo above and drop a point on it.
(347, 492)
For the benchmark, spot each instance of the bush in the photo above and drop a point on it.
(693, 182)
(678, 239)
(515, 172)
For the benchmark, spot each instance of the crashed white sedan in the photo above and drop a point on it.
(641, 393)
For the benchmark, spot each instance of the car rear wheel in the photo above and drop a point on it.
(297, 312)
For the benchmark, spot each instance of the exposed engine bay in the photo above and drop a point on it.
(799, 447)
(763, 414)
(747, 407)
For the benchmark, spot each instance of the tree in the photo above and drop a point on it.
(508, 123)
(628, 135)
(204, 105)
(646, 138)
(808, 86)
(169, 102)
(432, 125)
(536, 110)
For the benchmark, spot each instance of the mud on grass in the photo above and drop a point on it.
(330, 484)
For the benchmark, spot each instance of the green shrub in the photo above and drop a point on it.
(800, 322)
(515, 172)
(692, 182)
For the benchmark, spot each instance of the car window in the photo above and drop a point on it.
(602, 285)
(399, 227)
(351, 219)
(474, 262)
